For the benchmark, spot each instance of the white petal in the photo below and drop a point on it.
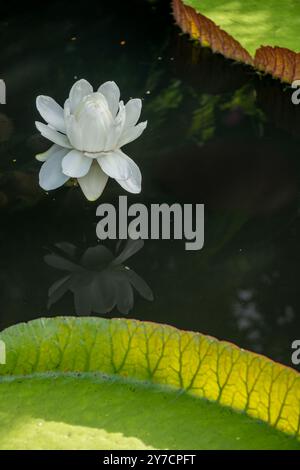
(54, 136)
(93, 154)
(131, 133)
(75, 164)
(134, 183)
(42, 157)
(116, 129)
(52, 112)
(133, 112)
(115, 165)
(67, 108)
(79, 90)
(93, 183)
(130, 185)
(94, 120)
(112, 94)
(74, 132)
(51, 175)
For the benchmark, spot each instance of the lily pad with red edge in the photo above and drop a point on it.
(264, 34)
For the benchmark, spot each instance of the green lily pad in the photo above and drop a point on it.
(264, 34)
(91, 383)
(255, 23)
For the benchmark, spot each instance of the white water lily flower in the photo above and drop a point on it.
(87, 137)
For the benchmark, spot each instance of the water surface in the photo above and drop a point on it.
(217, 134)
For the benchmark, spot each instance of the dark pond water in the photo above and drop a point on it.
(217, 134)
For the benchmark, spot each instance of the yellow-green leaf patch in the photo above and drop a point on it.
(109, 384)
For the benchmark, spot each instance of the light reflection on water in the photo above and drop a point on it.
(218, 134)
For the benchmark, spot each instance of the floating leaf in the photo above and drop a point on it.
(98, 383)
(263, 34)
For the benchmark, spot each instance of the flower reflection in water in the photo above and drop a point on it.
(98, 279)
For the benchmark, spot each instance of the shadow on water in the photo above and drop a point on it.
(218, 134)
